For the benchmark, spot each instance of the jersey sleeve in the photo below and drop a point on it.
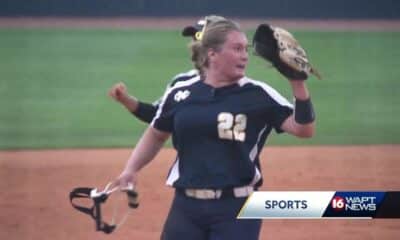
(279, 108)
(145, 112)
(181, 77)
(163, 119)
(280, 113)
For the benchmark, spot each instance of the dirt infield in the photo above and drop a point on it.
(35, 185)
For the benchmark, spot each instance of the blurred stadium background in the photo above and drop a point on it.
(59, 58)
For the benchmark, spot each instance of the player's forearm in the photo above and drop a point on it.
(305, 130)
(146, 149)
(299, 89)
(130, 103)
(303, 121)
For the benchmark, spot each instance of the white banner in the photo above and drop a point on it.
(283, 205)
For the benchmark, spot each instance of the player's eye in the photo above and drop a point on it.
(239, 48)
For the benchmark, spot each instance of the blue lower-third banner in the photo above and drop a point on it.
(321, 204)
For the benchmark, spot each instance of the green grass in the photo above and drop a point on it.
(53, 85)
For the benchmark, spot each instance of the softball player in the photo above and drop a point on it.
(146, 111)
(219, 123)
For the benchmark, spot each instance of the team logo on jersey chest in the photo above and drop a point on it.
(181, 95)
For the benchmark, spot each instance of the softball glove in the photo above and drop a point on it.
(279, 47)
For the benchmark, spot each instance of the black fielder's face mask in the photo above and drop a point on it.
(97, 199)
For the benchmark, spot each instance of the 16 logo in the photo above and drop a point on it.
(338, 203)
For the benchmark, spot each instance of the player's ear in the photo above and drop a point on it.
(211, 53)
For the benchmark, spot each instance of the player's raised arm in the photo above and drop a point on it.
(143, 111)
(302, 122)
(284, 52)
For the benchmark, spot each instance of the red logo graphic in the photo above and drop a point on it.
(338, 203)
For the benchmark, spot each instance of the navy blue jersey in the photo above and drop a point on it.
(146, 111)
(219, 132)
(181, 77)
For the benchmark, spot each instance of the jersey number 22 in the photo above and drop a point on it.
(232, 127)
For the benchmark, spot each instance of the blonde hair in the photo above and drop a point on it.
(213, 37)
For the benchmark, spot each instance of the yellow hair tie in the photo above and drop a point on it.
(199, 35)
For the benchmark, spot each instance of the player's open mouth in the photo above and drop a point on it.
(242, 67)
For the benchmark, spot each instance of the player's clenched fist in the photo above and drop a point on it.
(120, 94)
